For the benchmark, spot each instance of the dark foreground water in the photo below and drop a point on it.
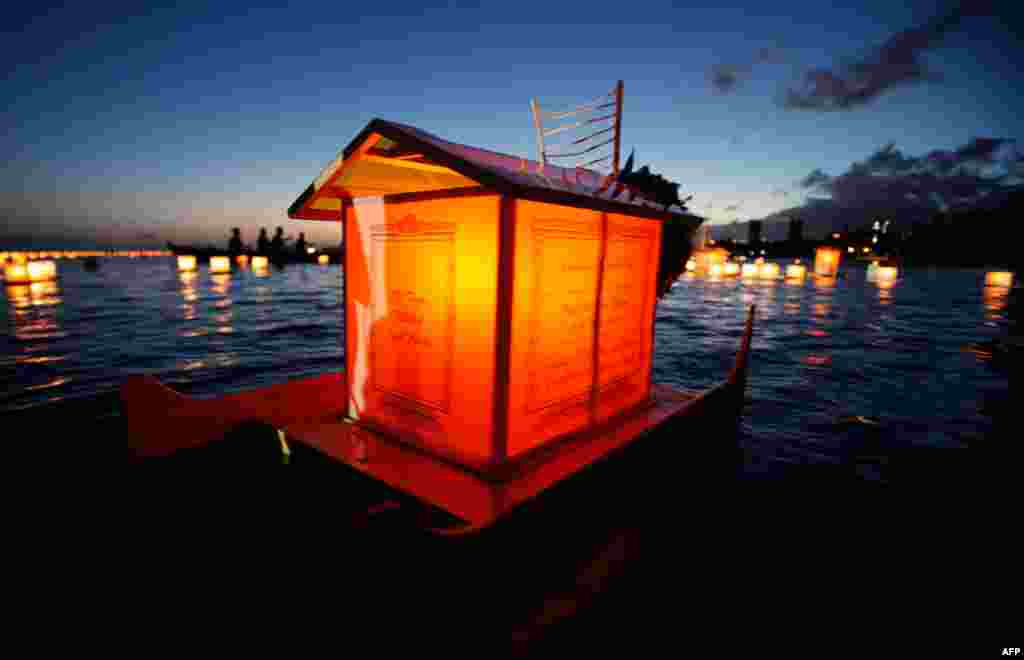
(845, 374)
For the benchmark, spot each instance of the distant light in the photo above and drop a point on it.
(887, 273)
(186, 262)
(323, 260)
(768, 271)
(732, 268)
(260, 263)
(310, 250)
(835, 235)
(715, 270)
(866, 250)
(220, 265)
(242, 259)
(749, 270)
(874, 239)
(795, 271)
(710, 242)
(878, 225)
(850, 250)
(1000, 279)
(762, 251)
(691, 265)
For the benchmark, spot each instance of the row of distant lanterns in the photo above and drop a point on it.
(222, 264)
(715, 263)
(29, 267)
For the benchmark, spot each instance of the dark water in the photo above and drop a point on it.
(903, 359)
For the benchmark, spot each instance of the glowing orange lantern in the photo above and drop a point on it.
(16, 273)
(887, 274)
(220, 265)
(260, 263)
(186, 262)
(750, 270)
(705, 258)
(826, 261)
(242, 259)
(768, 271)
(795, 271)
(715, 270)
(691, 265)
(487, 314)
(42, 271)
(323, 260)
(732, 269)
(1000, 279)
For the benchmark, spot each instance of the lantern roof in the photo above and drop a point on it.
(388, 158)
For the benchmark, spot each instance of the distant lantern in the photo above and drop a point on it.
(323, 260)
(260, 263)
(887, 274)
(851, 250)
(16, 273)
(716, 270)
(749, 270)
(768, 271)
(704, 259)
(826, 261)
(759, 260)
(186, 262)
(1000, 279)
(242, 259)
(795, 271)
(310, 250)
(731, 269)
(220, 265)
(835, 236)
(691, 265)
(866, 250)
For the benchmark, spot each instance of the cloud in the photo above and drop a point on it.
(815, 179)
(732, 208)
(895, 62)
(939, 178)
(726, 77)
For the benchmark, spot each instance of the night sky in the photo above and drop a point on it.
(137, 124)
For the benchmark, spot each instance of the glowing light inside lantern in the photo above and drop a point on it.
(795, 272)
(715, 270)
(768, 271)
(242, 259)
(691, 265)
(997, 278)
(186, 262)
(732, 269)
(750, 270)
(887, 273)
(323, 260)
(220, 265)
(260, 263)
(310, 250)
(42, 271)
(866, 250)
(15, 273)
(826, 261)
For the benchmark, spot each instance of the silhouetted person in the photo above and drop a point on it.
(235, 244)
(277, 246)
(300, 246)
(262, 242)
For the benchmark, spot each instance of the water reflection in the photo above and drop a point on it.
(188, 294)
(223, 321)
(995, 300)
(885, 291)
(34, 310)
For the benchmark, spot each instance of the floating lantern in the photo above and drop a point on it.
(749, 270)
(715, 270)
(691, 265)
(826, 261)
(323, 260)
(795, 271)
(732, 269)
(850, 250)
(242, 259)
(186, 262)
(866, 250)
(1001, 279)
(705, 258)
(16, 273)
(260, 263)
(759, 260)
(33, 271)
(220, 265)
(768, 271)
(887, 274)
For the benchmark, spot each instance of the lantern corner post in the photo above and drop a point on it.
(503, 327)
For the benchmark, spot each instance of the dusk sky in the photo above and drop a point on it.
(137, 124)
